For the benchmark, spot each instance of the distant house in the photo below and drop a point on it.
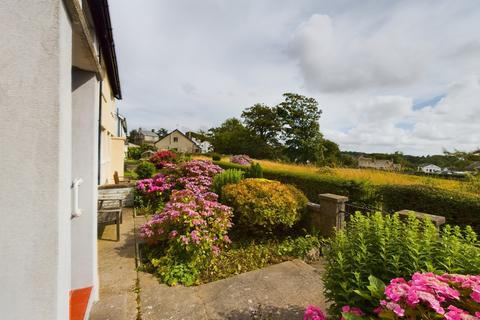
(205, 146)
(144, 137)
(364, 162)
(429, 168)
(177, 141)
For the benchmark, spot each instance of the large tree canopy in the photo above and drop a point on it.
(299, 116)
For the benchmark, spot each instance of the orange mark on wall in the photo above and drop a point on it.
(78, 303)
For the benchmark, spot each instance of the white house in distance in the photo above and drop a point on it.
(177, 141)
(205, 146)
(430, 168)
(59, 75)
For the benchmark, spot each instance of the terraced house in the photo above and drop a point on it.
(59, 140)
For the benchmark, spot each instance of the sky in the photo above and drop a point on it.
(388, 75)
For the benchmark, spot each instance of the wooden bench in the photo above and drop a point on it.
(118, 180)
(110, 212)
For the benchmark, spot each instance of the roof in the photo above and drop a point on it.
(103, 27)
(428, 165)
(176, 130)
(148, 133)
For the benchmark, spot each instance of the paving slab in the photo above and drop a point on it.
(117, 273)
(280, 291)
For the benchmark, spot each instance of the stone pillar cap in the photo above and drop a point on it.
(332, 197)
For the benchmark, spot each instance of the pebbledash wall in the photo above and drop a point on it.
(49, 123)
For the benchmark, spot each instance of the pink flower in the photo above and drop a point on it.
(313, 313)
(352, 310)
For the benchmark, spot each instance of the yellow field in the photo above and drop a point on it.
(375, 177)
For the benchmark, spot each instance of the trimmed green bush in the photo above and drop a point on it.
(264, 205)
(387, 247)
(145, 170)
(255, 171)
(226, 177)
(216, 157)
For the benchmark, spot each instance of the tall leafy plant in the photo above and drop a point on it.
(387, 247)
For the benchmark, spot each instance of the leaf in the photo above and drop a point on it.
(351, 316)
(376, 287)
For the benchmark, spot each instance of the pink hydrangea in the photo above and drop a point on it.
(314, 313)
(241, 159)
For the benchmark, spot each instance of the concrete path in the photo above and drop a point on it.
(117, 273)
(280, 291)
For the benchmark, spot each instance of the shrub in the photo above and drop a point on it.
(197, 175)
(151, 193)
(241, 159)
(145, 170)
(264, 204)
(216, 157)
(425, 296)
(134, 153)
(226, 177)
(160, 158)
(255, 171)
(387, 247)
(192, 228)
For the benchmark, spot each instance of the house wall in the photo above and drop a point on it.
(118, 155)
(35, 148)
(111, 159)
(182, 145)
(85, 90)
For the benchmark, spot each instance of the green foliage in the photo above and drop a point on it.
(250, 255)
(299, 117)
(226, 177)
(145, 170)
(216, 157)
(134, 153)
(263, 121)
(387, 247)
(264, 205)
(255, 171)
(458, 208)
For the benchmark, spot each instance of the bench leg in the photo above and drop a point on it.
(118, 229)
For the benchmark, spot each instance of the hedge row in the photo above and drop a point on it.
(458, 208)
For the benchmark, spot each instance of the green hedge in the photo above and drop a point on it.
(458, 208)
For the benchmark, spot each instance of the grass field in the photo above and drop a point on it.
(376, 177)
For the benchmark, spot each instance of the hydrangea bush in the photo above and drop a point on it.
(192, 228)
(151, 193)
(197, 175)
(425, 296)
(161, 158)
(241, 159)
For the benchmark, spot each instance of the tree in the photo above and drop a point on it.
(299, 116)
(132, 137)
(263, 121)
(162, 132)
(231, 137)
(331, 153)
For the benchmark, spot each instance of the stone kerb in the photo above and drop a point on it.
(437, 220)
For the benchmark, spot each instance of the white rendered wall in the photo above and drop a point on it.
(35, 160)
(85, 166)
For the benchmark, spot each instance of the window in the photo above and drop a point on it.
(175, 139)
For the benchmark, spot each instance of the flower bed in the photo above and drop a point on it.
(187, 234)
